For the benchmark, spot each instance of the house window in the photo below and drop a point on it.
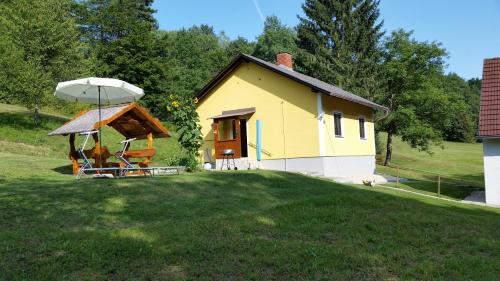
(362, 130)
(227, 129)
(337, 123)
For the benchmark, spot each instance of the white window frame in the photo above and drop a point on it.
(364, 127)
(341, 124)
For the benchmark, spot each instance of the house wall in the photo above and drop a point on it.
(350, 143)
(491, 152)
(284, 105)
(281, 104)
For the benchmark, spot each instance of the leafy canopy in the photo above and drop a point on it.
(418, 109)
(275, 38)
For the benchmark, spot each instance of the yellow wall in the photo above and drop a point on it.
(350, 143)
(277, 98)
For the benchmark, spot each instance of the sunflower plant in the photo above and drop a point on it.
(183, 113)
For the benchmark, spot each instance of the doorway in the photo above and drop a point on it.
(243, 132)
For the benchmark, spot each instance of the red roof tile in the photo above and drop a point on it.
(489, 116)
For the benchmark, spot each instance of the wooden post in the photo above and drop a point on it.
(73, 155)
(97, 150)
(439, 185)
(150, 146)
(397, 178)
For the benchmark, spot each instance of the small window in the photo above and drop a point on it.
(362, 131)
(227, 129)
(337, 123)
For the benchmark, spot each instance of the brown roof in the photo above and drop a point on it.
(489, 117)
(130, 120)
(309, 81)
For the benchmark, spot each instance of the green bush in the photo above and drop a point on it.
(185, 118)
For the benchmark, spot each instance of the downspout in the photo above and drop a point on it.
(321, 128)
(284, 138)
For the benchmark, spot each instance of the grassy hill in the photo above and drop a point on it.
(460, 166)
(19, 135)
(232, 225)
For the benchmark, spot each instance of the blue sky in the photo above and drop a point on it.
(469, 30)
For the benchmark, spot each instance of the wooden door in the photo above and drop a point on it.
(227, 136)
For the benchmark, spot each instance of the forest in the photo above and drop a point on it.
(342, 42)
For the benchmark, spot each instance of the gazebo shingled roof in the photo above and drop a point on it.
(130, 120)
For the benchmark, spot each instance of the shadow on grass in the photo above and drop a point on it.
(231, 225)
(24, 120)
(64, 170)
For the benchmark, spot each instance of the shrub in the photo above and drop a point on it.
(185, 118)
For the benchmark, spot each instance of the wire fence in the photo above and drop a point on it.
(437, 183)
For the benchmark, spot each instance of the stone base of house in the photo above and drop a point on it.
(326, 166)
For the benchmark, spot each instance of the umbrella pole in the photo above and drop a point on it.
(100, 136)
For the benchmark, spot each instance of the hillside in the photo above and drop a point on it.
(18, 135)
(228, 225)
(459, 165)
(461, 160)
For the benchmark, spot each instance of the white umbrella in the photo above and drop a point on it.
(98, 91)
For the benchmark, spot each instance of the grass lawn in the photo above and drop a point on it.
(460, 166)
(232, 225)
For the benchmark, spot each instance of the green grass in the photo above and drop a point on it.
(19, 135)
(248, 225)
(460, 166)
(232, 225)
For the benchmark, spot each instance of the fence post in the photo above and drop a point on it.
(439, 185)
(397, 178)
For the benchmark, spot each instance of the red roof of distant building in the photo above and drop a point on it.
(489, 116)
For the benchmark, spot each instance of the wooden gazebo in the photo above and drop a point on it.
(130, 120)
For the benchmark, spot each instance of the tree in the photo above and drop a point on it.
(418, 109)
(40, 46)
(190, 57)
(123, 42)
(238, 46)
(339, 43)
(275, 38)
(463, 107)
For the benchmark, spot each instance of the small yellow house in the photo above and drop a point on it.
(273, 117)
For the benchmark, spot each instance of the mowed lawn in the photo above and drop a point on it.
(245, 225)
(459, 165)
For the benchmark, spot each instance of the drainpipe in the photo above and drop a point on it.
(284, 138)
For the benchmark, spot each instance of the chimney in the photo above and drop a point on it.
(284, 59)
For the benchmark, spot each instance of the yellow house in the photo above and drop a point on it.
(272, 117)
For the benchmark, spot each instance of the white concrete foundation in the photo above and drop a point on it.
(491, 152)
(327, 166)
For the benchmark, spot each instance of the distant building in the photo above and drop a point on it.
(275, 118)
(489, 128)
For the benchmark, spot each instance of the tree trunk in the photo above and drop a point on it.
(388, 154)
(36, 113)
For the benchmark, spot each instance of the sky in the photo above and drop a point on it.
(469, 30)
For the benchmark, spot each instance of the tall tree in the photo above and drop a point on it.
(418, 109)
(40, 46)
(339, 43)
(464, 108)
(238, 46)
(275, 38)
(191, 57)
(123, 40)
